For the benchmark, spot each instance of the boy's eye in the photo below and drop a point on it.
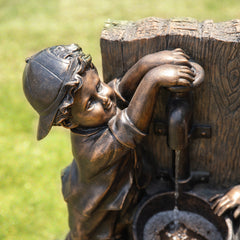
(90, 104)
(99, 86)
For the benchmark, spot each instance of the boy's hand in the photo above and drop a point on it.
(176, 57)
(229, 201)
(171, 75)
(136, 73)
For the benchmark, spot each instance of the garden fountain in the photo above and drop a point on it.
(175, 201)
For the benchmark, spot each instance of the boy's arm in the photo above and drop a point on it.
(142, 104)
(133, 76)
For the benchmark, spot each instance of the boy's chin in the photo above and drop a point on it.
(112, 113)
(112, 110)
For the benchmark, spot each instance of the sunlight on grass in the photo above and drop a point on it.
(31, 204)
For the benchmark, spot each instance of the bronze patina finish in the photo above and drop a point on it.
(119, 127)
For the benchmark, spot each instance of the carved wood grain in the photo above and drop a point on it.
(215, 46)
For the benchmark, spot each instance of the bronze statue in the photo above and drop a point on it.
(135, 160)
(107, 122)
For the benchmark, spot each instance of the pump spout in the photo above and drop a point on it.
(179, 126)
(179, 120)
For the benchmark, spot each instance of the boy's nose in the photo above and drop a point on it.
(106, 96)
(104, 99)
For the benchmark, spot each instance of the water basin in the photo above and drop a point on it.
(195, 220)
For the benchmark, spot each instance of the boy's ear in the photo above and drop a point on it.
(67, 123)
(71, 126)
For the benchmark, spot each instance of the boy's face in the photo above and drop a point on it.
(94, 103)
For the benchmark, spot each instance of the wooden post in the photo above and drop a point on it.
(216, 47)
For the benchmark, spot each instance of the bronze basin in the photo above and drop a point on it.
(192, 204)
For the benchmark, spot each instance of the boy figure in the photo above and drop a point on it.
(106, 123)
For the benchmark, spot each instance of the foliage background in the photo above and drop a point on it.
(31, 205)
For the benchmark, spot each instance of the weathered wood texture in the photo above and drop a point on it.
(216, 47)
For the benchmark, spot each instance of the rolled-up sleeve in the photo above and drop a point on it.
(124, 130)
(121, 101)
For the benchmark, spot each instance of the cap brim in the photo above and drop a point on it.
(45, 125)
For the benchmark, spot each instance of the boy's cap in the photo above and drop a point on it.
(44, 81)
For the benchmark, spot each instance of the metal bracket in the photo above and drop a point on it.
(201, 131)
(197, 131)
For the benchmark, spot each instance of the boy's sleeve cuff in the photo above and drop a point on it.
(115, 85)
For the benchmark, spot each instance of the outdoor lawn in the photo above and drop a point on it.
(31, 204)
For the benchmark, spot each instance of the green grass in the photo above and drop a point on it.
(31, 205)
